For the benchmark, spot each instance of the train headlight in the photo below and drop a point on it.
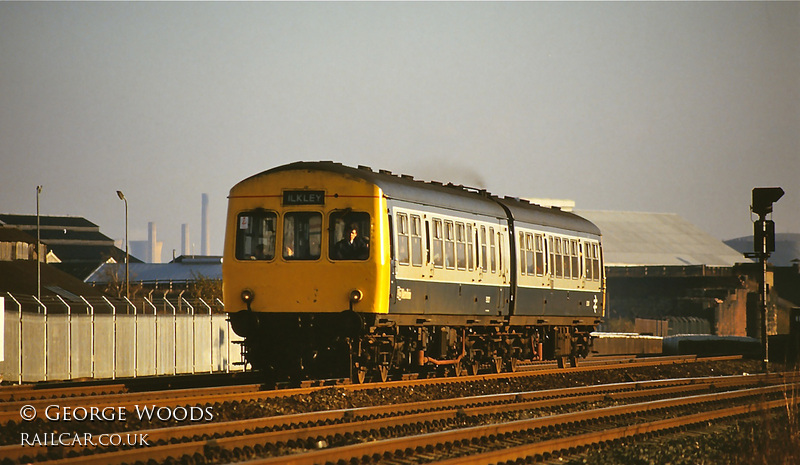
(356, 296)
(248, 297)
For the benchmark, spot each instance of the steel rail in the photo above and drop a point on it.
(33, 392)
(415, 413)
(9, 411)
(476, 404)
(379, 448)
(599, 437)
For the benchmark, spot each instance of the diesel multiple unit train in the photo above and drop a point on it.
(331, 271)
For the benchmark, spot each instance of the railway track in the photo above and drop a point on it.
(332, 434)
(14, 398)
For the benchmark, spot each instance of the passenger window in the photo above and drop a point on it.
(449, 245)
(573, 244)
(302, 235)
(539, 243)
(402, 239)
(348, 234)
(438, 244)
(416, 241)
(492, 251)
(530, 262)
(552, 254)
(500, 249)
(461, 246)
(255, 235)
(483, 249)
(522, 256)
(592, 262)
(470, 249)
(559, 259)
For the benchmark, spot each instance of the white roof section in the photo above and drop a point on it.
(658, 239)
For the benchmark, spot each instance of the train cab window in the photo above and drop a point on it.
(461, 246)
(348, 234)
(255, 235)
(416, 240)
(403, 239)
(438, 244)
(302, 235)
(449, 245)
(539, 249)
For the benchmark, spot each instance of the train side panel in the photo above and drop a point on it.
(449, 263)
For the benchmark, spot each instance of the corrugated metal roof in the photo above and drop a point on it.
(46, 221)
(658, 239)
(177, 271)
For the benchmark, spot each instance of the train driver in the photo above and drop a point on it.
(353, 247)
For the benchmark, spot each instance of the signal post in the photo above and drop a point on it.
(763, 246)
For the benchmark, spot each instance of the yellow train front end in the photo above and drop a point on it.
(306, 256)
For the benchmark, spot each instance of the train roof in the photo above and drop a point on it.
(450, 196)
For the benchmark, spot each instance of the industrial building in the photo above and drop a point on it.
(665, 276)
(77, 245)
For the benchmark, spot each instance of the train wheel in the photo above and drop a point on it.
(458, 369)
(498, 364)
(474, 367)
(513, 365)
(359, 374)
(383, 371)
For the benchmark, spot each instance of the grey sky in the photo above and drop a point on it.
(657, 107)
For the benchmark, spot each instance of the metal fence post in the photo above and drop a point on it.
(155, 341)
(91, 312)
(45, 335)
(193, 344)
(19, 342)
(174, 336)
(227, 340)
(135, 338)
(69, 336)
(211, 338)
(113, 338)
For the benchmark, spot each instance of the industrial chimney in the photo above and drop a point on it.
(204, 245)
(185, 239)
(153, 246)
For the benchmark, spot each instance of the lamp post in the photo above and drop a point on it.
(38, 249)
(127, 257)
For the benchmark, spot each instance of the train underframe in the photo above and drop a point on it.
(369, 347)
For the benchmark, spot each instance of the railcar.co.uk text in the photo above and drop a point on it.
(69, 414)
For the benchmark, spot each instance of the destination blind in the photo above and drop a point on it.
(304, 197)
